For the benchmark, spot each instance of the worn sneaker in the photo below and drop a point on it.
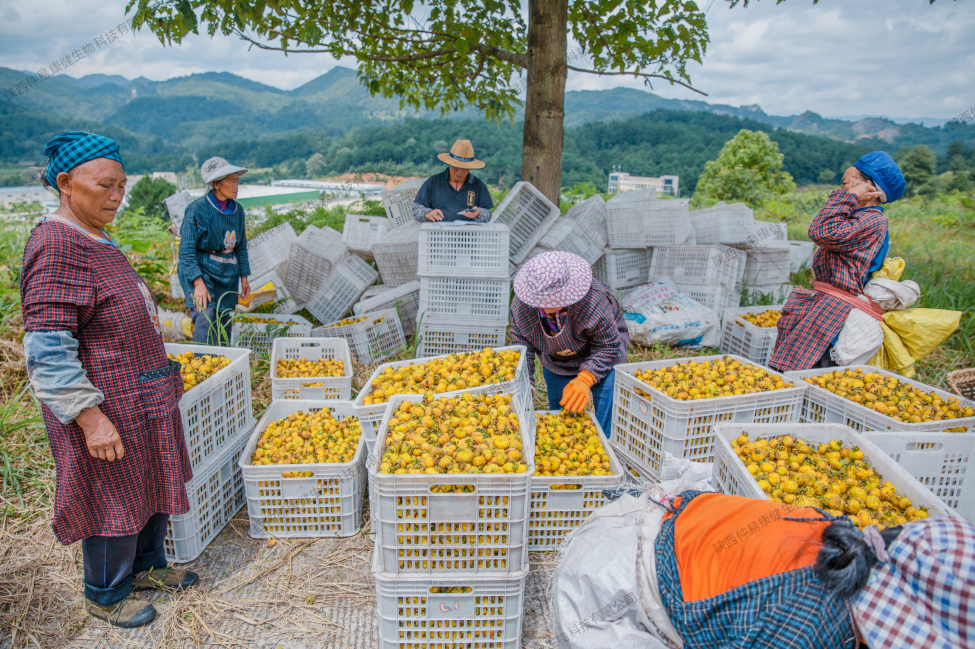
(165, 579)
(128, 613)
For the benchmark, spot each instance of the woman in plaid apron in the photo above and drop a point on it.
(109, 394)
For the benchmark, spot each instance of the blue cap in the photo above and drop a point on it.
(879, 167)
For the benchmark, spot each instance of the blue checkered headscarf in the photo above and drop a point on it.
(72, 148)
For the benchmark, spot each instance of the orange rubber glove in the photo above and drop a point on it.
(576, 394)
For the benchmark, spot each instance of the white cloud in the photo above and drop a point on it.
(838, 57)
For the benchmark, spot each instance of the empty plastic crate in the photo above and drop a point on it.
(467, 250)
(742, 338)
(438, 335)
(284, 304)
(424, 533)
(376, 338)
(342, 289)
(329, 503)
(767, 266)
(397, 255)
(732, 477)
(723, 223)
(646, 427)
(713, 265)
(939, 461)
(449, 612)
(270, 250)
(311, 387)
(479, 301)
(398, 202)
(528, 214)
(590, 214)
(313, 256)
(374, 290)
(822, 406)
(258, 335)
(216, 494)
(621, 269)
(219, 407)
(800, 255)
(716, 298)
(361, 232)
(175, 288)
(404, 298)
(638, 219)
(569, 236)
(553, 513)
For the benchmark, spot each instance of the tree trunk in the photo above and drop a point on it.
(541, 160)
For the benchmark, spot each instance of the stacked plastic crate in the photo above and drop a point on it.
(464, 287)
(710, 275)
(396, 254)
(268, 254)
(528, 215)
(313, 255)
(404, 298)
(398, 203)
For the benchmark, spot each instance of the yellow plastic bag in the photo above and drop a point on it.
(912, 334)
(892, 269)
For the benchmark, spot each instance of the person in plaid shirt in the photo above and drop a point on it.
(852, 238)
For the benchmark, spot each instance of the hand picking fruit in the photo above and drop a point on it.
(197, 369)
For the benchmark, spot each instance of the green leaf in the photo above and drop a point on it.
(463, 47)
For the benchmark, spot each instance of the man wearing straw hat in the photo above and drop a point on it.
(455, 195)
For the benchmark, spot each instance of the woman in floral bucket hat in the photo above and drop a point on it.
(575, 325)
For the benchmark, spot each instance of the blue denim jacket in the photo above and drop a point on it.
(213, 245)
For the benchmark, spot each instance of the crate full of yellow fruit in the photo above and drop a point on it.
(256, 331)
(829, 466)
(574, 463)
(372, 337)
(671, 406)
(493, 370)
(870, 399)
(450, 485)
(304, 470)
(216, 402)
(751, 332)
(311, 368)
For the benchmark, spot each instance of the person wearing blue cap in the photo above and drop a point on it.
(109, 395)
(853, 240)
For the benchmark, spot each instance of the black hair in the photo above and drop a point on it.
(845, 560)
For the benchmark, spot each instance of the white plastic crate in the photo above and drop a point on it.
(313, 349)
(465, 299)
(405, 299)
(371, 415)
(255, 335)
(742, 338)
(216, 494)
(590, 214)
(175, 288)
(529, 215)
(342, 289)
(767, 266)
(397, 255)
(939, 461)
(313, 256)
(553, 513)
(374, 290)
(438, 335)
(570, 236)
(731, 477)
(360, 233)
(822, 406)
(723, 223)
(398, 202)
(712, 265)
(416, 612)
(376, 338)
(423, 533)
(329, 503)
(220, 407)
(715, 298)
(269, 251)
(647, 427)
(284, 304)
(467, 250)
(638, 219)
(621, 269)
(800, 254)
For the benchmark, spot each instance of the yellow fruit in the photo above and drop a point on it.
(708, 379)
(566, 431)
(308, 438)
(765, 319)
(253, 319)
(348, 321)
(300, 368)
(195, 370)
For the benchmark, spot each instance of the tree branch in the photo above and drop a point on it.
(640, 74)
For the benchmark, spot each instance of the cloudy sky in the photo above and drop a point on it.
(898, 58)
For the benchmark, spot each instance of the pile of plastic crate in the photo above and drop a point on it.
(710, 274)
(464, 287)
(373, 336)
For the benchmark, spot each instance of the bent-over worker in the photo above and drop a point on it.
(852, 235)
(455, 194)
(574, 324)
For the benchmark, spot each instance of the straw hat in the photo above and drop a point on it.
(461, 155)
(553, 280)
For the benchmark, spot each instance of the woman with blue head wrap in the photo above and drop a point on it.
(853, 239)
(109, 394)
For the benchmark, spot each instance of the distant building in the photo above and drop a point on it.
(168, 176)
(27, 194)
(334, 187)
(259, 195)
(624, 182)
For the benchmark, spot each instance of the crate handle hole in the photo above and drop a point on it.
(441, 590)
(311, 344)
(463, 493)
(566, 487)
(924, 446)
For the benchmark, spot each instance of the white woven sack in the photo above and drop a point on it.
(859, 339)
(891, 295)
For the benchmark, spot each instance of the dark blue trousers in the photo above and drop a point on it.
(110, 561)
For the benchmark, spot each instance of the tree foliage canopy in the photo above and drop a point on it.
(748, 169)
(149, 194)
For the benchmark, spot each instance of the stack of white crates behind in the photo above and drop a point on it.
(268, 255)
(638, 219)
(342, 288)
(709, 274)
(404, 298)
(464, 287)
(450, 568)
(398, 203)
(528, 215)
(313, 256)
(396, 254)
(361, 232)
